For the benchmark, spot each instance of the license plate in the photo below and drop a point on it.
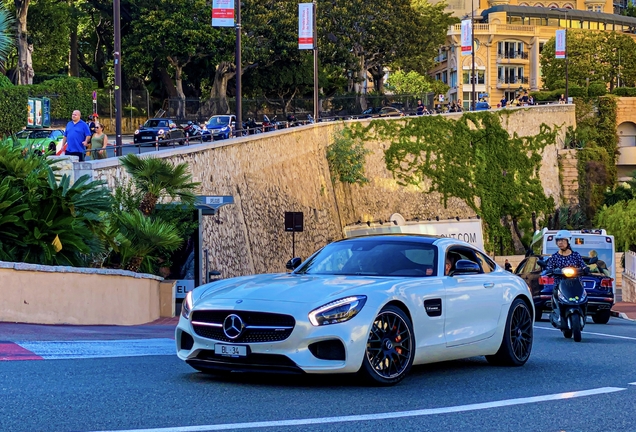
(230, 350)
(146, 137)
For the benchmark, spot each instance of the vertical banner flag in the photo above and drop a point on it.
(223, 13)
(305, 26)
(559, 46)
(467, 37)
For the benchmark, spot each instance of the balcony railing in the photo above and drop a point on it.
(516, 55)
(495, 28)
(512, 80)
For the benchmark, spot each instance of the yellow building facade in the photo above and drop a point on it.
(509, 38)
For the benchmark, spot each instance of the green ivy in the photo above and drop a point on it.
(597, 160)
(346, 157)
(474, 159)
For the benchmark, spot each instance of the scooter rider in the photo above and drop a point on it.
(565, 256)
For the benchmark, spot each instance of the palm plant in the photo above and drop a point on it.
(6, 36)
(142, 239)
(157, 178)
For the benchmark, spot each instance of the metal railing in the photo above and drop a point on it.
(630, 264)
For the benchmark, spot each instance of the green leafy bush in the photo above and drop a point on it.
(625, 91)
(13, 109)
(67, 94)
(597, 89)
(5, 81)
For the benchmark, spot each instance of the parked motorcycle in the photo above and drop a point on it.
(569, 300)
(195, 131)
(292, 121)
(252, 127)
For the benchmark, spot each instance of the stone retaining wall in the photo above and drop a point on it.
(82, 296)
(287, 170)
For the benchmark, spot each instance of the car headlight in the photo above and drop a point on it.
(136, 131)
(161, 132)
(186, 306)
(337, 311)
(225, 129)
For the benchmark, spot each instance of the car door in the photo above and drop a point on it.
(473, 301)
(530, 272)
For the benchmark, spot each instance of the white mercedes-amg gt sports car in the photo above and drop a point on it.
(373, 305)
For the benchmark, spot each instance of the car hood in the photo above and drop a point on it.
(290, 288)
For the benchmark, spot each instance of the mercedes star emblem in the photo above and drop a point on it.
(233, 326)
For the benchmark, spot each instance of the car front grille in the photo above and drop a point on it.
(259, 326)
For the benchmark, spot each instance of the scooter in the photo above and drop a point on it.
(569, 301)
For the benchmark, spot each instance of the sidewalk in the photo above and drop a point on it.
(624, 310)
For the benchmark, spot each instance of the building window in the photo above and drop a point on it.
(510, 75)
(510, 95)
(481, 77)
(510, 50)
(453, 79)
(541, 47)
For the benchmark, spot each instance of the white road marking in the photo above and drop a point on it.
(384, 416)
(99, 349)
(591, 333)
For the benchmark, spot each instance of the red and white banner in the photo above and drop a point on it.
(559, 44)
(467, 37)
(223, 13)
(305, 26)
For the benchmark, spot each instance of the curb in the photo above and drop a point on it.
(622, 315)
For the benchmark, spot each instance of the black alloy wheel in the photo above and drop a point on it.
(516, 345)
(390, 348)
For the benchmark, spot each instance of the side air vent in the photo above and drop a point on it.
(433, 307)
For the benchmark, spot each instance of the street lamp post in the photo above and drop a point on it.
(117, 60)
(238, 60)
(315, 19)
(567, 59)
(472, 50)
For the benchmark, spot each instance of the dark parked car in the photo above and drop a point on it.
(159, 128)
(597, 284)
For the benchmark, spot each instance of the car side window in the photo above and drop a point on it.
(487, 265)
(457, 253)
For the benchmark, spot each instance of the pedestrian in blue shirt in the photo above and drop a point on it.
(76, 135)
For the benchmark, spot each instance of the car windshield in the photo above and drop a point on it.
(374, 258)
(219, 121)
(153, 123)
(23, 134)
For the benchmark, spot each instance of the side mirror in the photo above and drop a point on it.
(293, 263)
(541, 263)
(464, 266)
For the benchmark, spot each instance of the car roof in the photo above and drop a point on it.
(422, 238)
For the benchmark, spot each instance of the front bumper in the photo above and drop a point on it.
(292, 355)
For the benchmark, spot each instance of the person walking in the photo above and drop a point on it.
(99, 142)
(420, 107)
(76, 136)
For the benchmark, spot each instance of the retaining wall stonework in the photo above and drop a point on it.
(287, 170)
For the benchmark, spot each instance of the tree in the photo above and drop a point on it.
(606, 57)
(620, 220)
(48, 22)
(412, 83)
(24, 70)
(174, 32)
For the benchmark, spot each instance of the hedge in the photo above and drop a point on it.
(13, 109)
(67, 94)
(625, 91)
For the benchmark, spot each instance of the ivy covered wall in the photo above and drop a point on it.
(473, 158)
